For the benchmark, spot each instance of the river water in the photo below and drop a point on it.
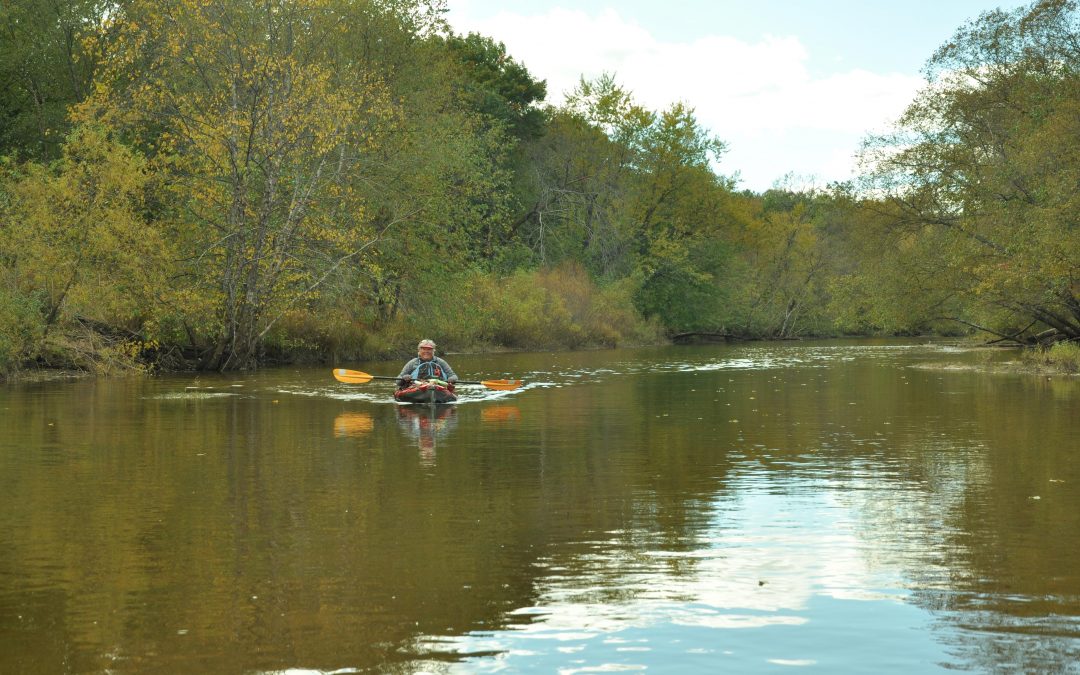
(858, 506)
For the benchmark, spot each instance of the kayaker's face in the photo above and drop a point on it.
(427, 353)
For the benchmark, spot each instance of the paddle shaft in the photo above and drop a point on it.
(384, 377)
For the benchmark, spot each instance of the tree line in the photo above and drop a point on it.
(219, 184)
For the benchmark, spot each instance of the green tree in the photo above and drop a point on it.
(981, 175)
(444, 169)
(783, 252)
(261, 126)
(43, 70)
(681, 211)
(496, 85)
(573, 188)
(633, 193)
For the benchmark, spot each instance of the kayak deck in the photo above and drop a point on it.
(426, 391)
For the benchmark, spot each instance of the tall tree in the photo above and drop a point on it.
(259, 120)
(981, 174)
(636, 192)
(497, 85)
(680, 208)
(782, 250)
(445, 166)
(573, 187)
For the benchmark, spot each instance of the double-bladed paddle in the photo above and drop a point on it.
(357, 377)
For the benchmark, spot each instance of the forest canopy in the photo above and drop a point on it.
(224, 183)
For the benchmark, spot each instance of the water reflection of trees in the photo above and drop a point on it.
(971, 506)
(976, 511)
(234, 532)
(252, 532)
(1011, 535)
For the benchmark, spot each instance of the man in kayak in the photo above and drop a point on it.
(426, 366)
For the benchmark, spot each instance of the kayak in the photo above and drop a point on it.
(425, 391)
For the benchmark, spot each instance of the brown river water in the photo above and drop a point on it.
(827, 507)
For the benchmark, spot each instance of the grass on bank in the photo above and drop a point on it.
(1062, 357)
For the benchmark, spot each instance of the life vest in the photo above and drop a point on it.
(428, 370)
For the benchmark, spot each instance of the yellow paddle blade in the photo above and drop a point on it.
(502, 385)
(351, 376)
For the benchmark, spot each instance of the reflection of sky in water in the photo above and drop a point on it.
(778, 578)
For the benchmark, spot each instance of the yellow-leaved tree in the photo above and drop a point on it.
(78, 255)
(258, 118)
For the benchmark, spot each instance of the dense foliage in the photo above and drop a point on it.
(223, 183)
(979, 183)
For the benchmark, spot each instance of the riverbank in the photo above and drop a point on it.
(1063, 359)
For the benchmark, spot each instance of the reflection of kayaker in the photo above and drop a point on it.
(426, 378)
(426, 425)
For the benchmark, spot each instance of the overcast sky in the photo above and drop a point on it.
(792, 86)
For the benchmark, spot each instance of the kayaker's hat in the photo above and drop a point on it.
(425, 343)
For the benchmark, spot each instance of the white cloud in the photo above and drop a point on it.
(750, 94)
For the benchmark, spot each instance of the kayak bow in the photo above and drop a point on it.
(428, 392)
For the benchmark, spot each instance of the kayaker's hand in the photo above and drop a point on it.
(405, 381)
